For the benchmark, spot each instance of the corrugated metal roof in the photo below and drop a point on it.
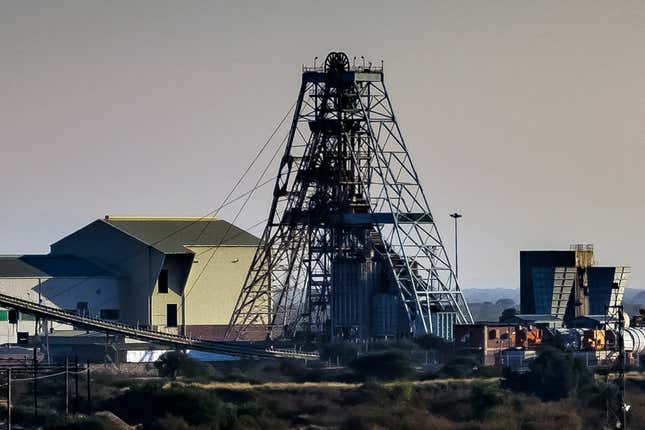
(537, 318)
(33, 266)
(596, 318)
(172, 235)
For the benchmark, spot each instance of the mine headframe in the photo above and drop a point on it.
(350, 249)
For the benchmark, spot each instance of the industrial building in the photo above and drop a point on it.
(483, 341)
(65, 282)
(566, 301)
(176, 275)
(568, 284)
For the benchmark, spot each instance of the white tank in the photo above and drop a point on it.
(634, 339)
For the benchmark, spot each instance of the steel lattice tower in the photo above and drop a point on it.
(348, 210)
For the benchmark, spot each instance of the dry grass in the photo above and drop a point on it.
(245, 386)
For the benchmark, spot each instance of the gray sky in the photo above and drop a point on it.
(526, 116)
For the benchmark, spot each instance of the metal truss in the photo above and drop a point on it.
(346, 187)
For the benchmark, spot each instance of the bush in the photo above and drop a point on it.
(169, 422)
(484, 397)
(149, 403)
(459, 368)
(430, 342)
(175, 363)
(403, 345)
(342, 351)
(386, 365)
(552, 376)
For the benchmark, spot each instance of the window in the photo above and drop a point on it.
(492, 334)
(22, 337)
(13, 316)
(163, 281)
(110, 314)
(171, 315)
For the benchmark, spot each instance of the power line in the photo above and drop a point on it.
(275, 130)
(215, 211)
(210, 258)
(230, 202)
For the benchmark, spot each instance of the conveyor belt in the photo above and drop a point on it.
(95, 324)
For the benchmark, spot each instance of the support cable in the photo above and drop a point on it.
(227, 201)
(239, 212)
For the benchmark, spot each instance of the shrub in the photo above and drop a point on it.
(175, 363)
(430, 342)
(484, 397)
(552, 376)
(151, 402)
(342, 351)
(459, 368)
(386, 365)
(403, 345)
(169, 422)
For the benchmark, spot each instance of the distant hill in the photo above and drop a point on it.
(486, 304)
(634, 295)
(480, 295)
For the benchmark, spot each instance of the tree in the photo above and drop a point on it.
(508, 313)
(174, 363)
(505, 303)
(552, 376)
(430, 342)
(170, 363)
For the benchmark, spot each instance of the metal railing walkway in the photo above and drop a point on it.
(96, 324)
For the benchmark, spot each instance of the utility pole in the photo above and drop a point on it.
(621, 367)
(66, 387)
(89, 391)
(617, 313)
(456, 216)
(9, 399)
(76, 385)
(35, 382)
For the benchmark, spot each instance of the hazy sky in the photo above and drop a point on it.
(526, 116)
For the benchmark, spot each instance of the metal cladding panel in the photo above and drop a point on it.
(563, 282)
(537, 276)
(621, 278)
(386, 315)
(443, 324)
(353, 282)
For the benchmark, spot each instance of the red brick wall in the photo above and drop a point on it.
(218, 331)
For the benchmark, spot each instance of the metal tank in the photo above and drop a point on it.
(634, 339)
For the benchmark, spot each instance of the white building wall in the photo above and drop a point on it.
(61, 292)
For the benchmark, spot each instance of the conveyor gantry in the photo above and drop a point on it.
(95, 324)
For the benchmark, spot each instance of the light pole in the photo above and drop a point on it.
(456, 216)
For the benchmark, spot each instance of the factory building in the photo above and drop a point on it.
(483, 341)
(178, 275)
(567, 301)
(65, 282)
(568, 284)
